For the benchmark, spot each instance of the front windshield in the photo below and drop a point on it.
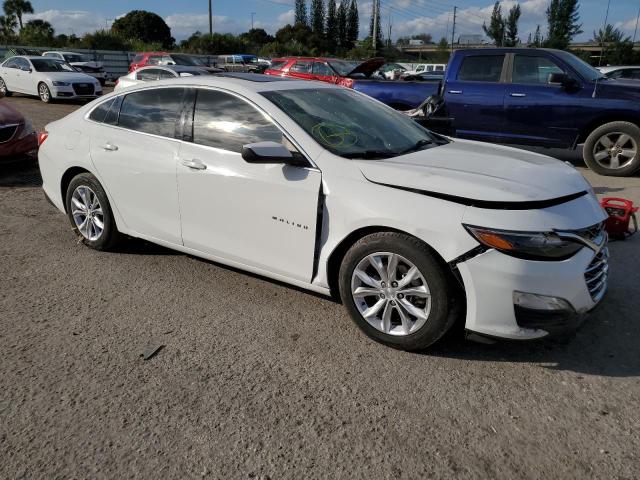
(51, 65)
(341, 67)
(73, 57)
(583, 68)
(352, 125)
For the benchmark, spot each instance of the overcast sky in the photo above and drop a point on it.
(407, 16)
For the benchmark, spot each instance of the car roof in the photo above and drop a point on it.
(175, 68)
(63, 52)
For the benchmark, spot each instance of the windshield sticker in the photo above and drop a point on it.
(334, 135)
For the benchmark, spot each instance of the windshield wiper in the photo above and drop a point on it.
(370, 154)
(417, 146)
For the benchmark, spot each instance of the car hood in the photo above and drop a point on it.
(69, 77)
(616, 88)
(476, 171)
(368, 67)
(8, 114)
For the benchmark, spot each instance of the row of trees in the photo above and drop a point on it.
(333, 27)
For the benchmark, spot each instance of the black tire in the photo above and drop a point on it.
(110, 236)
(592, 146)
(44, 93)
(102, 81)
(444, 294)
(4, 91)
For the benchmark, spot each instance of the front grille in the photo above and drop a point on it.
(83, 88)
(596, 275)
(7, 132)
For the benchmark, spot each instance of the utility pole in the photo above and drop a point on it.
(252, 14)
(453, 28)
(636, 30)
(375, 24)
(210, 20)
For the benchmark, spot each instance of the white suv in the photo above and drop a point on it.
(327, 189)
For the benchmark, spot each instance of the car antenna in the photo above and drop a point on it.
(604, 31)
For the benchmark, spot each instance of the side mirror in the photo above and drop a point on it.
(271, 152)
(561, 79)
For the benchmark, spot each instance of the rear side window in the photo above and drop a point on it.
(100, 112)
(481, 68)
(227, 122)
(301, 67)
(152, 111)
(277, 65)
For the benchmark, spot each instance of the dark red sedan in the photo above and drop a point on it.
(18, 139)
(330, 70)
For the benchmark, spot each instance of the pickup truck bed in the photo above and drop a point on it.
(401, 95)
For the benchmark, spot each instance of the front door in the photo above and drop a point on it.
(536, 111)
(475, 98)
(301, 69)
(137, 159)
(262, 216)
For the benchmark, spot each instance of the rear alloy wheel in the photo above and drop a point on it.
(44, 92)
(3, 89)
(613, 149)
(396, 291)
(90, 213)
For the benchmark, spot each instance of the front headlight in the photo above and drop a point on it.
(527, 245)
(60, 84)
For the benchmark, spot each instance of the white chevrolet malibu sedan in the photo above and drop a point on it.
(324, 188)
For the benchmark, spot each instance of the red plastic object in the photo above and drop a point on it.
(621, 214)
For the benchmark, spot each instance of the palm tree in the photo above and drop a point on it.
(17, 8)
(8, 26)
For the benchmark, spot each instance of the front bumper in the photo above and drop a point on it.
(491, 278)
(68, 92)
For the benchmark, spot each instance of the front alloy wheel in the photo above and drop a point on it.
(45, 94)
(391, 294)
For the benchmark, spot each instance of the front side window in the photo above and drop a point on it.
(481, 68)
(154, 111)
(223, 121)
(50, 65)
(533, 69)
(320, 68)
(350, 124)
(420, 68)
(342, 67)
(301, 67)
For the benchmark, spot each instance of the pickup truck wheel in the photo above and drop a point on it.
(396, 291)
(613, 149)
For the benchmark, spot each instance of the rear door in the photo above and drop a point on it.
(301, 69)
(258, 215)
(135, 153)
(475, 98)
(536, 111)
(10, 74)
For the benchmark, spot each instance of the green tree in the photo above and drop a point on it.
(331, 30)
(17, 8)
(563, 23)
(617, 48)
(608, 34)
(342, 26)
(256, 38)
(37, 33)
(496, 29)
(145, 27)
(353, 24)
(301, 12)
(8, 26)
(103, 39)
(317, 17)
(537, 38)
(511, 27)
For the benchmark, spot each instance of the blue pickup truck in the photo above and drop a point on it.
(542, 97)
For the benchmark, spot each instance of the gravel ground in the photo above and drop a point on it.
(260, 380)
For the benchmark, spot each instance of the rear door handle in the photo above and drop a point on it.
(518, 94)
(194, 163)
(455, 92)
(109, 147)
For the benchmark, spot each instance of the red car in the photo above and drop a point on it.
(18, 139)
(144, 59)
(330, 70)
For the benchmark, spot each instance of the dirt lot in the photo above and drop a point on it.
(259, 380)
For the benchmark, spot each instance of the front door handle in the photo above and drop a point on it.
(518, 94)
(109, 147)
(194, 163)
(455, 92)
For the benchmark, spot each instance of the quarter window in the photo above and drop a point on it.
(100, 112)
(481, 68)
(226, 122)
(154, 111)
(532, 69)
